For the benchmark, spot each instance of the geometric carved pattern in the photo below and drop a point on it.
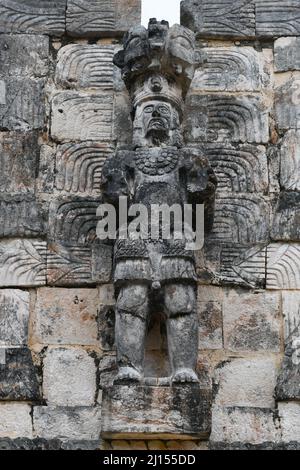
(287, 99)
(230, 69)
(96, 15)
(78, 167)
(290, 161)
(226, 118)
(22, 263)
(277, 18)
(73, 221)
(283, 266)
(68, 265)
(81, 117)
(20, 216)
(84, 66)
(32, 16)
(219, 17)
(239, 169)
(241, 218)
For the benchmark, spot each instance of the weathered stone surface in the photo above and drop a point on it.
(289, 414)
(18, 162)
(283, 266)
(102, 263)
(73, 221)
(177, 411)
(244, 424)
(72, 423)
(21, 216)
(76, 116)
(21, 104)
(69, 265)
(246, 383)
(46, 173)
(287, 100)
(241, 218)
(66, 316)
(22, 263)
(252, 321)
(242, 168)
(79, 166)
(287, 55)
(24, 55)
(286, 221)
(15, 420)
(18, 379)
(106, 327)
(233, 69)
(290, 161)
(33, 16)
(14, 317)
(102, 17)
(277, 18)
(210, 314)
(288, 384)
(222, 118)
(69, 377)
(85, 66)
(220, 18)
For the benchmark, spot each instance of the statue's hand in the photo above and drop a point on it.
(201, 179)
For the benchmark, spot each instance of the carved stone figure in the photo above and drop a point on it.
(157, 274)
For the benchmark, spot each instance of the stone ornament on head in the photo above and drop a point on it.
(157, 67)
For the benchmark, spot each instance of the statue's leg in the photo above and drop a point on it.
(131, 328)
(182, 330)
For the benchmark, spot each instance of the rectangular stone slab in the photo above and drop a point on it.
(179, 412)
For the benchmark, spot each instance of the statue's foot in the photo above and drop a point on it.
(185, 376)
(128, 374)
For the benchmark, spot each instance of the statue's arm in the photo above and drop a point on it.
(115, 180)
(201, 183)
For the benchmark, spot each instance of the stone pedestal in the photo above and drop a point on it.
(178, 412)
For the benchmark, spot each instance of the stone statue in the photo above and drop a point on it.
(156, 274)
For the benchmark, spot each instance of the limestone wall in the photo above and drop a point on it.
(63, 110)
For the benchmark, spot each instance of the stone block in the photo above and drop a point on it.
(283, 266)
(252, 321)
(244, 425)
(246, 382)
(241, 218)
(18, 376)
(286, 220)
(162, 412)
(73, 220)
(239, 168)
(66, 316)
(277, 18)
(102, 263)
(233, 69)
(290, 161)
(33, 16)
(22, 263)
(286, 54)
(226, 118)
(98, 18)
(79, 167)
(18, 162)
(46, 173)
(287, 100)
(21, 103)
(210, 315)
(288, 384)
(86, 66)
(73, 423)
(69, 265)
(24, 55)
(220, 18)
(14, 317)
(81, 117)
(289, 414)
(69, 377)
(21, 216)
(15, 420)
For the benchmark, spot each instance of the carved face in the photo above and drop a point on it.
(157, 118)
(181, 47)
